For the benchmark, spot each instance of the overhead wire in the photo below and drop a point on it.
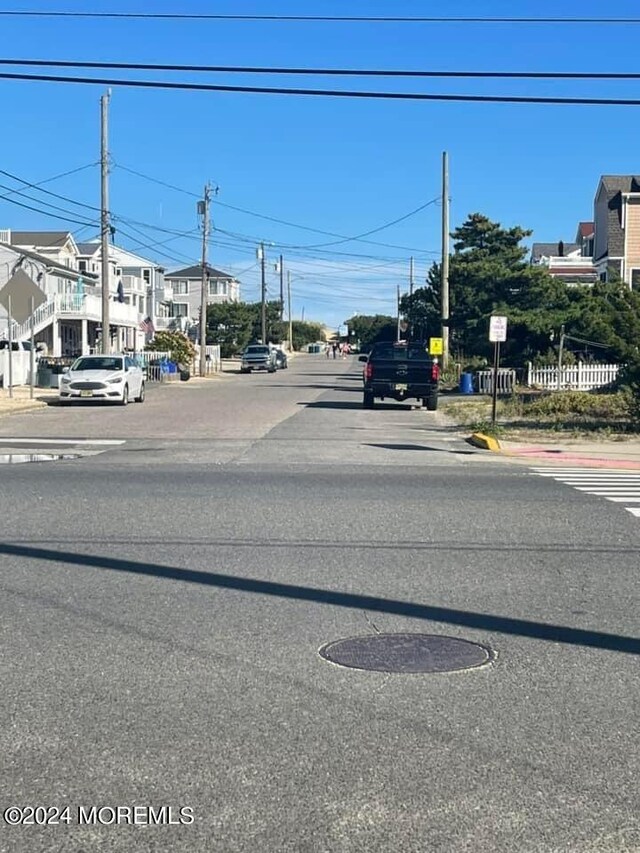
(54, 178)
(322, 93)
(326, 72)
(266, 217)
(369, 19)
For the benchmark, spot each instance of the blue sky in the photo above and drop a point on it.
(338, 165)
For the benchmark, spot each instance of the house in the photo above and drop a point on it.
(186, 287)
(57, 246)
(140, 281)
(616, 248)
(70, 321)
(566, 261)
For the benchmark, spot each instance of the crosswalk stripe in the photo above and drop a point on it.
(84, 441)
(616, 486)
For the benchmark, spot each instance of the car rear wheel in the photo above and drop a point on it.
(140, 397)
(125, 396)
(367, 400)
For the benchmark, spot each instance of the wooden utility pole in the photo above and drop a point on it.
(281, 267)
(410, 329)
(289, 311)
(104, 219)
(263, 308)
(203, 210)
(444, 282)
(398, 306)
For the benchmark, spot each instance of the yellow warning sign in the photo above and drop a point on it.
(435, 346)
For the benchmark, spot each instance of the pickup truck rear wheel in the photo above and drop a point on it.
(431, 402)
(367, 400)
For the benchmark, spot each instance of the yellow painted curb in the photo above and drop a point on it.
(486, 442)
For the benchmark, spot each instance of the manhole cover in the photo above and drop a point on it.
(17, 458)
(406, 653)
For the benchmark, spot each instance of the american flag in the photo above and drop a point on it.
(147, 326)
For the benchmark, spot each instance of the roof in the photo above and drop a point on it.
(89, 248)
(40, 238)
(586, 229)
(196, 272)
(52, 266)
(621, 183)
(550, 250)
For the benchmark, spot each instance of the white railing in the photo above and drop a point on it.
(86, 306)
(506, 381)
(574, 377)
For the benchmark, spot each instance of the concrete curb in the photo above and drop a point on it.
(486, 442)
(18, 410)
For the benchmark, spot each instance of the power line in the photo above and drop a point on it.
(50, 180)
(368, 19)
(48, 213)
(376, 230)
(253, 213)
(328, 72)
(322, 93)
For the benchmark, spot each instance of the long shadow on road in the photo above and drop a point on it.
(466, 618)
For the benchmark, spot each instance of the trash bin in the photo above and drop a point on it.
(43, 377)
(466, 383)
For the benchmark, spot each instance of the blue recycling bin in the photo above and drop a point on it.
(466, 383)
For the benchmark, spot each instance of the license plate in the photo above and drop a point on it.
(401, 387)
(86, 393)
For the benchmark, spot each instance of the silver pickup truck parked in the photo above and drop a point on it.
(258, 357)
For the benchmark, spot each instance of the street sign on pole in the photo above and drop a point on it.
(20, 289)
(498, 329)
(436, 346)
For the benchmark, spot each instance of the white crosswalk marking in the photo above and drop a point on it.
(618, 486)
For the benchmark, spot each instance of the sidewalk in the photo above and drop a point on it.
(21, 400)
(568, 452)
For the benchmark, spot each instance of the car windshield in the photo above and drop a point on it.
(257, 350)
(97, 363)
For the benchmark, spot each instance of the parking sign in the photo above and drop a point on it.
(498, 329)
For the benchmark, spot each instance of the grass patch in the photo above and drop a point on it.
(577, 413)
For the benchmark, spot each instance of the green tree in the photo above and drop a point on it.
(303, 333)
(369, 329)
(488, 275)
(181, 349)
(233, 325)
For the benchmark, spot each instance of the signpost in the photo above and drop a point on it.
(497, 335)
(21, 296)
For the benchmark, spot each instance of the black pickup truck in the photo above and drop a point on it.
(400, 371)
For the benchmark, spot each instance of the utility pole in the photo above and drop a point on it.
(281, 267)
(203, 210)
(410, 332)
(289, 311)
(398, 307)
(263, 311)
(104, 219)
(444, 283)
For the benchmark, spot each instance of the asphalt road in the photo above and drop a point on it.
(163, 602)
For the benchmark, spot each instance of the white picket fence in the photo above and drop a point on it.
(573, 377)
(506, 381)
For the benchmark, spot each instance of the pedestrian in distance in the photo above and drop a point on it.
(335, 349)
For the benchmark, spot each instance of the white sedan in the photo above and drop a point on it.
(110, 378)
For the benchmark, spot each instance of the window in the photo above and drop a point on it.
(82, 266)
(213, 288)
(635, 280)
(180, 288)
(146, 276)
(179, 309)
